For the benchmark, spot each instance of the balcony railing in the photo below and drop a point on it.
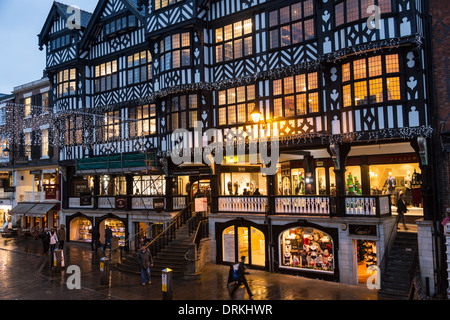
(253, 204)
(38, 196)
(327, 206)
(308, 205)
(375, 206)
(136, 202)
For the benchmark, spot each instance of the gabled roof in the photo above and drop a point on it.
(60, 9)
(93, 25)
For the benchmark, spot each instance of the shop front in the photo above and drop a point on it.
(118, 227)
(241, 237)
(307, 249)
(79, 228)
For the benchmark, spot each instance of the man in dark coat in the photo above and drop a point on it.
(401, 210)
(241, 278)
(95, 238)
(108, 238)
(45, 237)
(145, 260)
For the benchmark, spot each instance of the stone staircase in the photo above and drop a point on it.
(396, 281)
(172, 256)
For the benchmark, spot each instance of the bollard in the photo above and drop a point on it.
(58, 260)
(104, 271)
(115, 254)
(167, 284)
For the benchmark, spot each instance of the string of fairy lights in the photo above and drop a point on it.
(93, 118)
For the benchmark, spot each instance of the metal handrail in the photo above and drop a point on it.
(168, 231)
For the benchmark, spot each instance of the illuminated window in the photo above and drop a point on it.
(347, 11)
(44, 143)
(139, 67)
(27, 107)
(364, 83)
(142, 120)
(73, 130)
(106, 76)
(66, 83)
(291, 24)
(112, 125)
(295, 95)
(234, 41)
(175, 51)
(236, 104)
(160, 4)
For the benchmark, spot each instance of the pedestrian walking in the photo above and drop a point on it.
(239, 277)
(145, 260)
(61, 236)
(108, 238)
(401, 210)
(95, 233)
(53, 240)
(45, 237)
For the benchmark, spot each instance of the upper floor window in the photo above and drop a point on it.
(66, 83)
(27, 140)
(175, 51)
(291, 24)
(120, 23)
(142, 120)
(74, 130)
(139, 67)
(236, 105)
(234, 41)
(106, 76)
(351, 10)
(371, 80)
(4, 143)
(112, 126)
(45, 102)
(183, 111)
(44, 144)
(27, 107)
(296, 95)
(2, 115)
(159, 4)
(60, 42)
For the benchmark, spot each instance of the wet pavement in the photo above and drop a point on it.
(25, 275)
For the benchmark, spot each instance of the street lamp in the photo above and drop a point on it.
(256, 114)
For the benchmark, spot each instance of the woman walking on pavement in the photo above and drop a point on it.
(53, 240)
(61, 236)
(240, 278)
(145, 262)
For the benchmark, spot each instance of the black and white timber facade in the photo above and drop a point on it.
(348, 97)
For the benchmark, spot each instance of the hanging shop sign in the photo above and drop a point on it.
(122, 202)
(362, 229)
(85, 200)
(158, 204)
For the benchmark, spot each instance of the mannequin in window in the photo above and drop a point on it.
(390, 183)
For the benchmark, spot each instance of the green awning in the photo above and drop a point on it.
(117, 162)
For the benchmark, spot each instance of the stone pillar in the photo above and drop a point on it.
(447, 244)
(426, 253)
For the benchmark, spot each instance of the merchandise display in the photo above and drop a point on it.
(118, 230)
(80, 230)
(306, 248)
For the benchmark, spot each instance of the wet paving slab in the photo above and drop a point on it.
(25, 274)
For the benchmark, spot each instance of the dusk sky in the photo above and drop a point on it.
(20, 23)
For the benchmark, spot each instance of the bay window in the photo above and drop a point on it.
(371, 80)
(142, 120)
(106, 76)
(234, 41)
(66, 83)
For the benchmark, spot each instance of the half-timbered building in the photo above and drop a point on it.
(341, 86)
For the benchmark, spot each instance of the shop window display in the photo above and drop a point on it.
(367, 259)
(117, 228)
(250, 243)
(243, 183)
(395, 178)
(306, 248)
(80, 230)
(353, 180)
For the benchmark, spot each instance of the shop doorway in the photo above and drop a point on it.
(80, 229)
(366, 260)
(117, 228)
(246, 241)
